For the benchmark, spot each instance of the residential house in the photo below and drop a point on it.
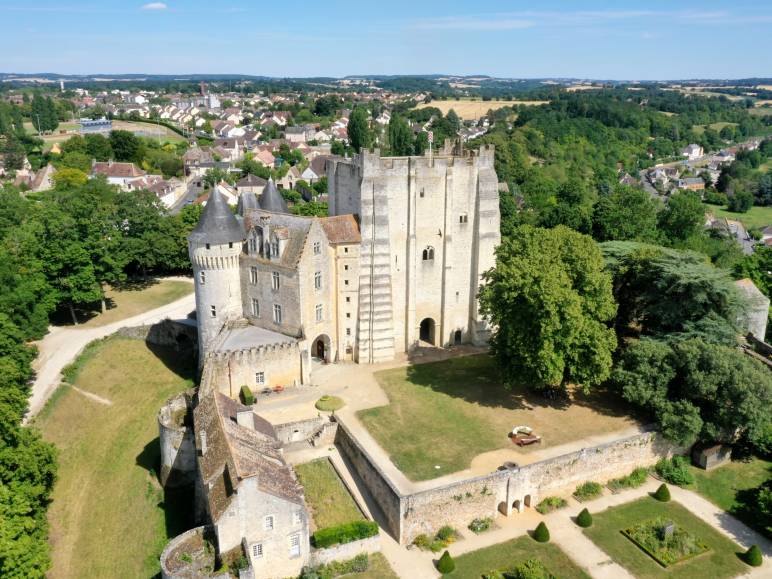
(116, 173)
(692, 152)
(251, 184)
(289, 180)
(692, 184)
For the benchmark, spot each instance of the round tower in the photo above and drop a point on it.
(214, 247)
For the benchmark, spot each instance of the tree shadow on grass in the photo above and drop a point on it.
(182, 359)
(476, 379)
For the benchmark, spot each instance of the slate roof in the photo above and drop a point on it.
(247, 201)
(296, 227)
(217, 224)
(271, 200)
(113, 169)
(251, 181)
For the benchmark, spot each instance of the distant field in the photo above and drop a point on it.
(756, 218)
(578, 87)
(470, 110)
(699, 129)
(148, 130)
(761, 111)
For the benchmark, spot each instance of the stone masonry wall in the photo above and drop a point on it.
(378, 485)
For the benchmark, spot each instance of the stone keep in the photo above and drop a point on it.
(429, 227)
(214, 247)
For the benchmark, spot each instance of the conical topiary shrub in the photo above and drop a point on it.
(663, 493)
(753, 556)
(584, 519)
(542, 533)
(446, 564)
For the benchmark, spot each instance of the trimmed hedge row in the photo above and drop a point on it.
(345, 533)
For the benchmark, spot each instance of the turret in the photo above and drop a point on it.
(271, 200)
(214, 246)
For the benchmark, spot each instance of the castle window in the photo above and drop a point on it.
(230, 245)
(213, 311)
(275, 280)
(348, 331)
(202, 445)
(345, 250)
(345, 268)
(428, 253)
(207, 246)
(348, 299)
(348, 315)
(259, 377)
(253, 246)
(202, 277)
(275, 248)
(317, 247)
(294, 545)
(319, 312)
(268, 523)
(345, 282)
(463, 218)
(421, 194)
(318, 280)
(257, 550)
(255, 307)
(253, 275)
(297, 518)
(277, 313)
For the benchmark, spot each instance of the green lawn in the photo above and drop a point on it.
(132, 299)
(109, 517)
(728, 487)
(473, 565)
(719, 562)
(379, 569)
(446, 413)
(327, 497)
(756, 218)
(699, 129)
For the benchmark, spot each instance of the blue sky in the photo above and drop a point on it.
(588, 39)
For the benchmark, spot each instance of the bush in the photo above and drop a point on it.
(446, 564)
(715, 197)
(551, 504)
(478, 526)
(329, 403)
(446, 533)
(662, 494)
(584, 519)
(247, 398)
(423, 542)
(542, 533)
(346, 533)
(631, 481)
(529, 569)
(358, 564)
(753, 556)
(675, 471)
(587, 491)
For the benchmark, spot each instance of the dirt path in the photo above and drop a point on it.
(63, 344)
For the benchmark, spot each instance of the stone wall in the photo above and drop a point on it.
(378, 485)
(280, 364)
(178, 448)
(299, 430)
(170, 333)
(345, 552)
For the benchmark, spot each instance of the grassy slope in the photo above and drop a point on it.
(473, 565)
(127, 302)
(718, 563)
(756, 218)
(108, 517)
(446, 413)
(379, 569)
(326, 495)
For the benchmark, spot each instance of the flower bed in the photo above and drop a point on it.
(665, 548)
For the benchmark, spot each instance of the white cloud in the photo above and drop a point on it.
(154, 6)
(474, 23)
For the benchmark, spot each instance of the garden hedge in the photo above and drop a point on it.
(542, 533)
(584, 519)
(345, 533)
(446, 564)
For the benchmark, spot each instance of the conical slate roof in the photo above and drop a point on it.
(271, 200)
(217, 225)
(247, 201)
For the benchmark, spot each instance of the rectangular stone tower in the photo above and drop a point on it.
(429, 229)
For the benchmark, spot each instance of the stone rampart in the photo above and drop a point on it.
(170, 333)
(178, 449)
(346, 551)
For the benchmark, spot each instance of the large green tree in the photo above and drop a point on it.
(549, 301)
(626, 214)
(400, 137)
(683, 216)
(359, 135)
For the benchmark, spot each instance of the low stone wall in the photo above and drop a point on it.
(189, 543)
(299, 430)
(345, 551)
(170, 333)
(378, 485)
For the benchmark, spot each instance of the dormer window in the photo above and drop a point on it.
(317, 247)
(275, 248)
(253, 245)
(428, 253)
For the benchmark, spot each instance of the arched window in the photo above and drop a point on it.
(428, 253)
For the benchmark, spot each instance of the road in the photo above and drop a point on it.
(190, 195)
(63, 344)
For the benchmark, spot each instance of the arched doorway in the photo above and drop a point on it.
(426, 331)
(320, 348)
(457, 337)
(527, 501)
(516, 506)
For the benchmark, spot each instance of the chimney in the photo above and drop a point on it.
(246, 419)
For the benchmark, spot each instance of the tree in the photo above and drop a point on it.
(327, 105)
(549, 301)
(541, 534)
(453, 120)
(662, 493)
(421, 143)
(573, 207)
(628, 213)
(757, 266)
(741, 201)
(683, 216)
(126, 146)
(584, 519)
(698, 391)
(358, 129)
(67, 178)
(400, 137)
(753, 556)
(98, 147)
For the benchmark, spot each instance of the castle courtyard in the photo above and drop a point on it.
(448, 409)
